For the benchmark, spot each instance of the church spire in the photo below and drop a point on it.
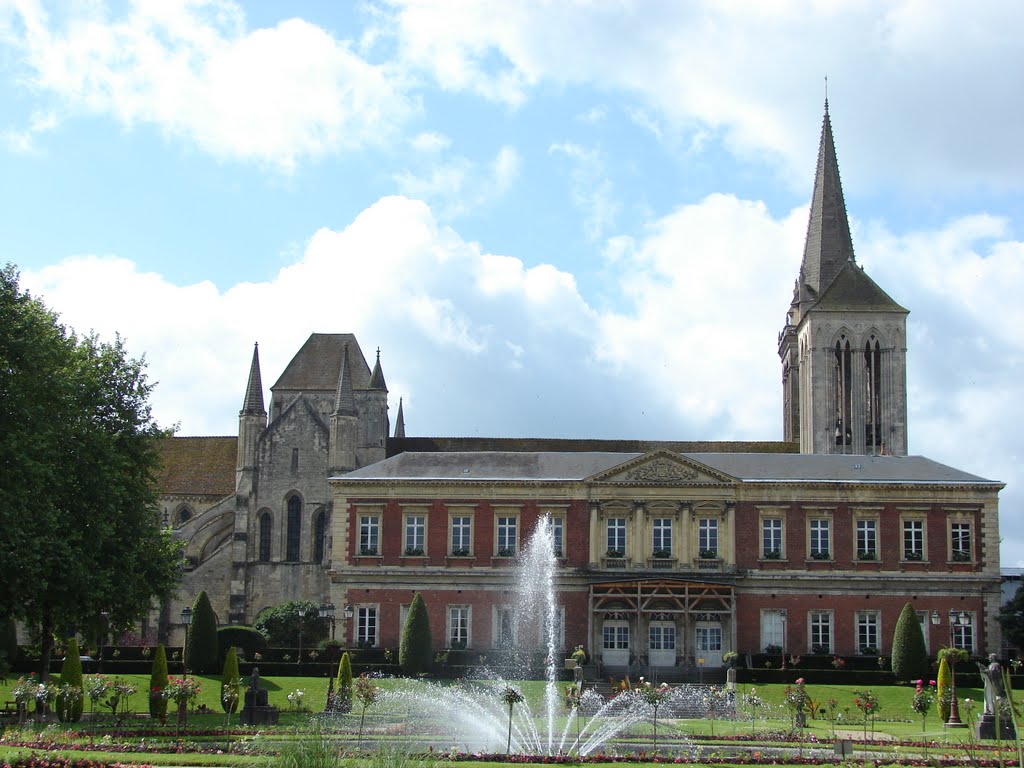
(400, 421)
(344, 399)
(252, 404)
(377, 377)
(829, 245)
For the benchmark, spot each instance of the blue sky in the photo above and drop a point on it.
(554, 219)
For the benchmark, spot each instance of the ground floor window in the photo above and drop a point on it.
(867, 632)
(366, 626)
(820, 626)
(662, 637)
(615, 637)
(458, 626)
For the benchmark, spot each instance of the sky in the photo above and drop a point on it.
(553, 219)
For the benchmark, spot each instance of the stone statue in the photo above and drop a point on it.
(992, 676)
(254, 679)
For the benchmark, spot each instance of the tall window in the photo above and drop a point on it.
(662, 637)
(820, 624)
(266, 526)
(415, 534)
(963, 634)
(662, 536)
(709, 639)
(505, 626)
(771, 538)
(820, 539)
(867, 632)
(913, 539)
(873, 392)
(461, 535)
(773, 625)
(960, 541)
(369, 535)
(617, 535)
(458, 626)
(319, 536)
(507, 536)
(867, 539)
(842, 392)
(558, 535)
(615, 636)
(366, 625)
(294, 528)
(707, 537)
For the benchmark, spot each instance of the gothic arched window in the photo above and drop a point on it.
(294, 528)
(184, 515)
(873, 392)
(266, 526)
(319, 536)
(843, 393)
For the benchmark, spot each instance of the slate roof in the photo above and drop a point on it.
(852, 289)
(750, 467)
(199, 466)
(316, 367)
(399, 444)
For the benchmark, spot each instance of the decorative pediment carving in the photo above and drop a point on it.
(662, 471)
(662, 468)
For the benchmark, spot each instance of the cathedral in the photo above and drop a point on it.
(669, 553)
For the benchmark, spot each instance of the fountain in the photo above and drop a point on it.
(483, 716)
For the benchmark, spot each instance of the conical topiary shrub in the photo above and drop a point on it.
(71, 699)
(415, 653)
(203, 651)
(158, 684)
(909, 657)
(343, 685)
(230, 683)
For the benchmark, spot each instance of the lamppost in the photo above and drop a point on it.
(956, 618)
(349, 612)
(327, 612)
(186, 620)
(782, 618)
(104, 628)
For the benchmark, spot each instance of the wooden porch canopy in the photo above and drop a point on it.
(662, 596)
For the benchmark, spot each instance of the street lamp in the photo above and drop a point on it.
(956, 618)
(782, 619)
(104, 628)
(186, 620)
(349, 612)
(327, 612)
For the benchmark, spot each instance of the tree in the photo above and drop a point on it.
(230, 682)
(79, 526)
(158, 684)
(203, 651)
(249, 639)
(909, 657)
(280, 624)
(415, 652)
(71, 696)
(343, 695)
(1011, 619)
(944, 691)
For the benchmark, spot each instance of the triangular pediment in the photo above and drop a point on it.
(662, 468)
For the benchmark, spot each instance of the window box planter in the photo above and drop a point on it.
(821, 556)
(772, 554)
(367, 552)
(913, 557)
(462, 552)
(961, 556)
(413, 552)
(708, 554)
(661, 554)
(863, 556)
(506, 553)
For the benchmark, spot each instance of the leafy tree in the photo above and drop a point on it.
(9, 639)
(70, 710)
(280, 624)
(415, 652)
(1011, 619)
(78, 490)
(203, 651)
(343, 685)
(909, 657)
(230, 682)
(158, 684)
(249, 639)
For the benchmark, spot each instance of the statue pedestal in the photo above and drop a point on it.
(256, 710)
(987, 727)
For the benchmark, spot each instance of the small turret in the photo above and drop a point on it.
(344, 422)
(400, 421)
(252, 419)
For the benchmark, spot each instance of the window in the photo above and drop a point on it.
(558, 535)
(294, 528)
(773, 626)
(709, 639)
(366, 626)
(415, 534)
(960, 542)
(319, 536)
(458, 626)
(662, 637)
(369, 534)
(867, 539)
(707, 537)
(771, 538)
(615, 636)
(266, 526)
(507, 536)
(504, 627)
(184, 515)
(295, 459)
(462, 527)
(553, 628)
(617, 536)
(820, 544)
(820, 626)
(913, 539)
(963, 634)
(867, 632)
(662, 544)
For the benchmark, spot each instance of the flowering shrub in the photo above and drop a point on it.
(838, 662)
(295, 699)
(868, 705)
(796, 700)
(181, 690)
(924, 697)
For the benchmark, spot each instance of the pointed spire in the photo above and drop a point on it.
(345, 400)
(253, 401)
(829, 245)
(400, 421)
(377, 377)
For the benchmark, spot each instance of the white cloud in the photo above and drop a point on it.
(592, 191)
(274, 95)
(457, 185)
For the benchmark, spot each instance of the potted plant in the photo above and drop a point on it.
(708, 554)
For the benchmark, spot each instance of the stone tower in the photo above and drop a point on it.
(843, 348)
